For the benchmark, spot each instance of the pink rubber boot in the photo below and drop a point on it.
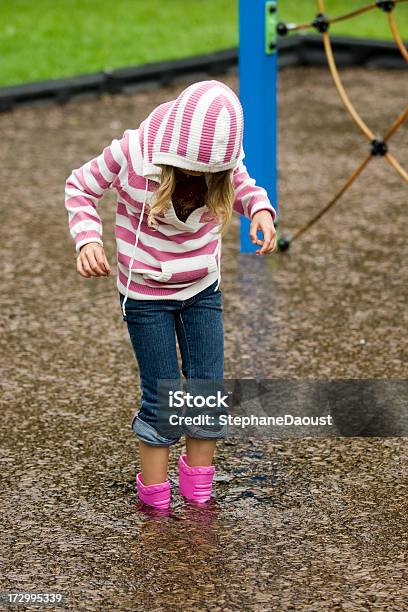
(195, 483)
(156, 495)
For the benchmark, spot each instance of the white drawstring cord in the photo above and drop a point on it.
(134, 250)
(219, 266)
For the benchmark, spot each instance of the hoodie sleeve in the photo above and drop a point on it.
(85, 187)
(249, 197)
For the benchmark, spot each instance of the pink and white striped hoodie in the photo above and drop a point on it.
(201, 129)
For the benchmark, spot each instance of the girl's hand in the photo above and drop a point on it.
(262, 220)
(92, 261)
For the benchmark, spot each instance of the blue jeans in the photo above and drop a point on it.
(153, 327)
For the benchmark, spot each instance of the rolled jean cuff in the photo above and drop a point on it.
(147, 433)
(196, 431)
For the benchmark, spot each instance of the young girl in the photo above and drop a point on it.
(179, 177)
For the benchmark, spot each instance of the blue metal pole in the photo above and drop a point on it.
(258, 71)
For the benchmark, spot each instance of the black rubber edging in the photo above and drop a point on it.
(295, 50)
(348, 51)
(117, 80)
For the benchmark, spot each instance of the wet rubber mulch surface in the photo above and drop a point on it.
(299, 524)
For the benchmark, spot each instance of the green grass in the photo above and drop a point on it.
(57, 38)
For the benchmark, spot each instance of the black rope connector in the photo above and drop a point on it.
(283, 244)
(378, 147)
(282, 28)
(321, 23)
(386, 5)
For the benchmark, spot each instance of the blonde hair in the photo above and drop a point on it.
(219, 197)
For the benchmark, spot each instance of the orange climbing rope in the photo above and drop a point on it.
(359, 11)
(378, 147)
(397, 37)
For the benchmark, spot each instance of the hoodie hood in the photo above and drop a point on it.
(202, 129)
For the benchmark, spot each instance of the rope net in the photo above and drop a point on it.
(378, 147)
